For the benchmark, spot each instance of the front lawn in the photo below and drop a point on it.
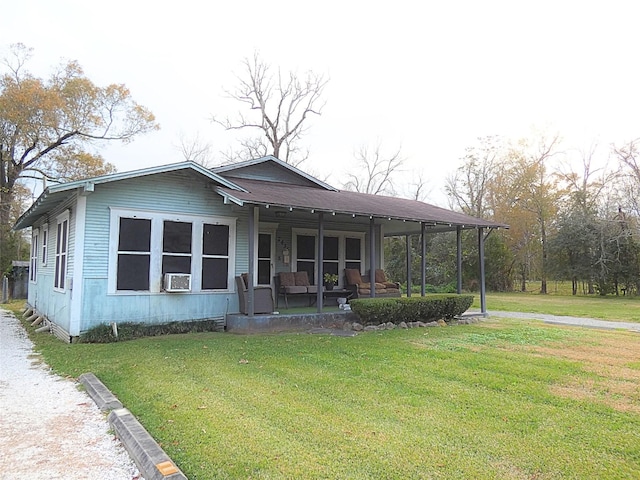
(625, 309)
(499, 399)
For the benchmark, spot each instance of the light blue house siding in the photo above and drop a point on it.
(42, 295)
(181, 193)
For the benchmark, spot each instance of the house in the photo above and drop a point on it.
(164, 243)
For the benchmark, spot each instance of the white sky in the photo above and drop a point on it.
(428, 76)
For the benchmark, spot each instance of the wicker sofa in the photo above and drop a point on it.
(361, 287)
(294, 284)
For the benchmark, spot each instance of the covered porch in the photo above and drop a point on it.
(297, 223)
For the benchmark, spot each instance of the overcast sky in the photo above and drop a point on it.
(430, 77)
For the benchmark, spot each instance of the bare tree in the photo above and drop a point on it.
(279, 108)
(469, 187)
(194, 149)
(376, 171)
(629, 159)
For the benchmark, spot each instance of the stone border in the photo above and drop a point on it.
(149, 457)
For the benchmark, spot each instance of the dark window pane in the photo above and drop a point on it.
(175, 264)
(215, 240)
(310, 268)
(264, 270)
(330, 248)
(135, 235)
(65, 234)
(214, 273)
(306, 246)
(133, 272)
(176, 237)
(264, 245)
(352, 247)
(63, 269)
(330, 267)
(355, 265)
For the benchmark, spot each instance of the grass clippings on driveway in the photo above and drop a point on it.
(500, 399)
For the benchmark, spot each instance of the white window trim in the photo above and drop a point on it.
(34, 256)
(43, 254)
(155, 267)
(60, 219)
(341, 234)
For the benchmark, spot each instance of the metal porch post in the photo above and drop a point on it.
(409, 279)
(483, 296)
(320, 270)
(459, 258)
(252, 231)
(372, 256)
(423, 260)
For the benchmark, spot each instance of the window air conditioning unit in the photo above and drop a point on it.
(177, 282)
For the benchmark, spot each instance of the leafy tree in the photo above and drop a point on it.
(279, 109)
(47, 126)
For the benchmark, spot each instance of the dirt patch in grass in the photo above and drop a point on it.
(611, 360)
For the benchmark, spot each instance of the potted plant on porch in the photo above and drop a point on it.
(330, 280)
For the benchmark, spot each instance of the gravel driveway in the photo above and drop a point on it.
(50, 429)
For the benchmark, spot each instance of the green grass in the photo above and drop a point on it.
(500, 399)
(613, 308)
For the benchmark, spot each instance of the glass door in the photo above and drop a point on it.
(265, 258)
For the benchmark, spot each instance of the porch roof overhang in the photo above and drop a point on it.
(405, 216)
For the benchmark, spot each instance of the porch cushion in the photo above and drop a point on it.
(378, 286)
(312, 289)
(295, 289)
(380, 276)
(302, 279)
(353, 276)
(287, 279)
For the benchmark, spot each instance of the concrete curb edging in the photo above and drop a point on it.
(101, 395)
(149, 457)
(153, 462)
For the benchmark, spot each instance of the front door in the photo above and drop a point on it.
(265, 258)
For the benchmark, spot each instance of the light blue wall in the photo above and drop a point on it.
(183, 193)
(55, 305)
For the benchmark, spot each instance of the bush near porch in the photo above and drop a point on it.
(373, 311)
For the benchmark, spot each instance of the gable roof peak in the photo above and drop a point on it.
(228, 170)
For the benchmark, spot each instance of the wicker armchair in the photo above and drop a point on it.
(262, 297)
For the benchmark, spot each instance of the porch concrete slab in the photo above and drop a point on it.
(272, 323)
(101, 395)
(151, 460)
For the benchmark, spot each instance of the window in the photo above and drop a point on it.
(176, 247)
(44, 243)
(147, 245)
(340, 250)
(33, 264)
(353, 253)
(62, 239)
(331, 260)
(264, 258)
(215, 257)
(134, 254)
(306, 256)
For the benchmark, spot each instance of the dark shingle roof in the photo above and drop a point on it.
(345, 202)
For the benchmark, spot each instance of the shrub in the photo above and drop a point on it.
(374, 311)
(128, 331)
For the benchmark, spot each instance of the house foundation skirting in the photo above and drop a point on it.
(238, 323)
